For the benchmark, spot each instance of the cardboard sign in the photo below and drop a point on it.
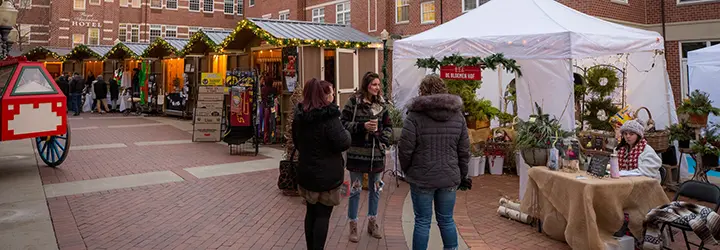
(211, 79)
(461, 73)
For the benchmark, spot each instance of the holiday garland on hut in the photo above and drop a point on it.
(163, 44)
(39, 50)
(121, 46)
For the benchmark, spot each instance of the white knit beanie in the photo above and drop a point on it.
(634, 126)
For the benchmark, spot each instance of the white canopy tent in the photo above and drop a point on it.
(704, 73)
(544, 41)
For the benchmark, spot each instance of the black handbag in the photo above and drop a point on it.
(287, 180)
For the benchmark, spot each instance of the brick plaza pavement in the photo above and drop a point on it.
(238, 211)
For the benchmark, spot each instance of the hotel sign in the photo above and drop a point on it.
(86, 20)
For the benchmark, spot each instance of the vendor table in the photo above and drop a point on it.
(586, 212)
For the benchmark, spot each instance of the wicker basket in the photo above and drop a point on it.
(595, 139)
(658, 140)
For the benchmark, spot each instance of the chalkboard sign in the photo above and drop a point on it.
(598, 165)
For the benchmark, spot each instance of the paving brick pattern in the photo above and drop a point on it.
(80, 123)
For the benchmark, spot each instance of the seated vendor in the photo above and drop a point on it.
(635, 154)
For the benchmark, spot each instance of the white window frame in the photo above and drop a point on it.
(93, 2)
(681, 2)
(156, 6)
(232, 7)
(124, 3)
(346, 11)
(199, 5)
(422, 12)
(134, 5)
(406, 5)
(122, 27)
(267, 16)
(240, 7)
(82, 38)
(89, 36)
(251, 3)
(211, 5)
(320, 17)
(84, 5)
(172, 28)
(625, 2)
(684, 74)
(477, 4)
(154, 28)
(284, 15)
(167, 4)
(24, 4)
(192, 31)
(133, 28)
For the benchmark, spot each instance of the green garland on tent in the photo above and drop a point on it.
(490, 62)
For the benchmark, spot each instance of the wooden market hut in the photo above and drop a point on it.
(127, 55)
(85, 59)
(203, 53)
(51, 57)
(167, 51)
(333, 52)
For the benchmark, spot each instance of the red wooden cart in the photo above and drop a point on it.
(33, 106)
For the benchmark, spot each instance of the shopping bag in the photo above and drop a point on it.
(87, 107)
(287, 180)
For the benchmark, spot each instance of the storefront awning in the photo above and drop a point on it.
(42, 53)
(205, 41)
(164, 47)
(123, 51)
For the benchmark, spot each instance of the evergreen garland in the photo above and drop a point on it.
(490, 62)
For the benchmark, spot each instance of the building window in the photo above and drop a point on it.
(24, 4)
(686, 47)
(93, 36)
(472, 4)
(135, 33)
(318, 15)
(342, 13)
(229, 7)
(124, 3)
(239, 7)
(192, 31)
(135, 3)
(267, 16)
(208, 5)
(402, 9)
(78, 39)
(194, 5)
(284, 15)
(155, 31)
(92, 2)
(251, 3)
(427, 12)
(156, 4)
(122, 33)
(171, 4)
(79, 4)
(171, 31)
(693, 1)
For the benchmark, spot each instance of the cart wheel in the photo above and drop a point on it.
(54, 149)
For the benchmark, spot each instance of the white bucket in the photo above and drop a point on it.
(476, 166)
(496, 165)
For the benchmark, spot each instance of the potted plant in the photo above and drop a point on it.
(708, 152)
(534, 137)
(681, 133)
(478, 113)
(477, 160)
(397, 120)
(696, 108)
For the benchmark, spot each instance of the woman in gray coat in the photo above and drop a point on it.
(434, 151)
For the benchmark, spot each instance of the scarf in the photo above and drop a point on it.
(629, 160)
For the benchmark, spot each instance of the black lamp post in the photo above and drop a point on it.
(8, 17)
(384, 35)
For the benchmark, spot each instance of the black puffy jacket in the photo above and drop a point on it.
(320, 139)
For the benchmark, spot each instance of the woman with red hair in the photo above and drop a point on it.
(320, 139)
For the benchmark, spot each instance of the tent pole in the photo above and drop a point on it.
(501, 97)
(667, 92)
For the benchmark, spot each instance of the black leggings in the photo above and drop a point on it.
(317, 219)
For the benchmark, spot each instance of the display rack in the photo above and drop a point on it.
(239, 129)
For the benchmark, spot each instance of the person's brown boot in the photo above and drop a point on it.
(374, 229)
(354, 232)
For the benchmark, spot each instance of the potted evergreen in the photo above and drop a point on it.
(534, 137)
(681, 133)
(708, 147)
(478, 113)
(696, 108)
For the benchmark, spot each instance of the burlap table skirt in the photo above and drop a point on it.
(585, 213)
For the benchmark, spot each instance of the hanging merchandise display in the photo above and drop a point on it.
(289, 57)
(241, 113)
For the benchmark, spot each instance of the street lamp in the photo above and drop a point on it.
(8, 17)
(384, 35)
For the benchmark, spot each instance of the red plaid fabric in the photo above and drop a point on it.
(629, 161)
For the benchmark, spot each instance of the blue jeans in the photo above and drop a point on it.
(76, 99)
(356, 188)
(444, 199)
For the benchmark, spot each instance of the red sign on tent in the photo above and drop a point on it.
(461, 73)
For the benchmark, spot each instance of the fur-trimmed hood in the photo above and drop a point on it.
(317, 115)
(439, 107)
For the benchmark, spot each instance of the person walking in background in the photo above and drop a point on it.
(101, 90)
(320, 138)
(365, 115)
(434, 151)
(114, 94)
(76, 89)
(64, 84)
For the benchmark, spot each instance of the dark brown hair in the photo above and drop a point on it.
(432, 84)
(315, 94)
(368, 78)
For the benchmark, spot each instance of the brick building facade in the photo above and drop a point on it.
(686, 24)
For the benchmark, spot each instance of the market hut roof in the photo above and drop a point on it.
(42, 53)
(125, 51)
(177, 43)
(81, 52)
(205, 41)
(293, 33)
(164, 47)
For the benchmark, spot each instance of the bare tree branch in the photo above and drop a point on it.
(22, 36)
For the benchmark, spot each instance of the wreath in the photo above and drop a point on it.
(602, 80)
(598, 112)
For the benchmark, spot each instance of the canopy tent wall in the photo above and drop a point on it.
(704, 73)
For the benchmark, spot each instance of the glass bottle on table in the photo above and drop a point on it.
(614, 166)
